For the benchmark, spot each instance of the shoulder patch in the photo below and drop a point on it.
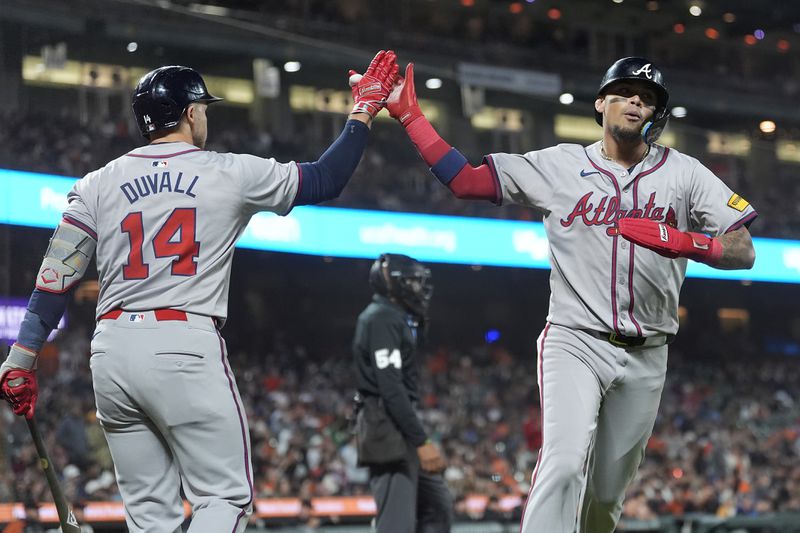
(737, 202)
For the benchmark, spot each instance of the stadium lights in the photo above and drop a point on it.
(679, 112)
(132, 46)
(433, 83)
(566, 98)
(292, 66)
(767, 126)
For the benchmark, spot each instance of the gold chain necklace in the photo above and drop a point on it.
(607, 157)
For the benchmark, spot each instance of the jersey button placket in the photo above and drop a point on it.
(623, 297)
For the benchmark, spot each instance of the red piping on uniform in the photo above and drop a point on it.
(541, 418)
(145, 156)
(80, 225)
(497, 188)
(299, 185)
(630, 262)
(299, 180)
(658, 165)
(746, 220)
(244, 432)
(614, 247)
(635, 206)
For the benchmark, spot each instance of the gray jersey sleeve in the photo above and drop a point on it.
(532, 179)
(82, 205)
(714, 208)
(527, 179)
(266, 184)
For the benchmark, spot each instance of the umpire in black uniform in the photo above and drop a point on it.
(405, 466)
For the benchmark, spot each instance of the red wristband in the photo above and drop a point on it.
(703, 248)
(429, 144)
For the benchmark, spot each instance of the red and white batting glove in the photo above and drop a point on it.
(18, 380)
(19, 388)
(670, 242)
(402, 103)
(371, 90)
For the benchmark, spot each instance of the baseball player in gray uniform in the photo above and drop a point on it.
(163, 220)
(622, 217)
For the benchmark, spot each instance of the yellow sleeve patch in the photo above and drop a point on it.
(738, 203)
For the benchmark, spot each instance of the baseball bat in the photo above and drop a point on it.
(65, 515)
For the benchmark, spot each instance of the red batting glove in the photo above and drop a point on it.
(19, 388)
(402, 103)
(371, 90)
(670, 242)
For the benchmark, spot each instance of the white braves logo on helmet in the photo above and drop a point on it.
(645, 69)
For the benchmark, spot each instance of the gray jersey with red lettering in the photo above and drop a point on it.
(166, 218)
(600, 281)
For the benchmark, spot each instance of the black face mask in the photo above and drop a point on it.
(415, 292)
(405, 280)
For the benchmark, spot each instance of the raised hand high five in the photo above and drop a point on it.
(402, 103)
(371, 89)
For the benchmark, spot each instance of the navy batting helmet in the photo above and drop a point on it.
(405, 280)
(635, 68)
(163, 94)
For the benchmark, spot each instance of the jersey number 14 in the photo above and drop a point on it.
(185, 249)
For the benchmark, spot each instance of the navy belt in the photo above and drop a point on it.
(631, 342)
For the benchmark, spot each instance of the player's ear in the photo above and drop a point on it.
(191, 111)
(600, 104)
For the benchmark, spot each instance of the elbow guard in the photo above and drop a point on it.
(66, 259)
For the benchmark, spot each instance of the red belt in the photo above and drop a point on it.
(160, 314)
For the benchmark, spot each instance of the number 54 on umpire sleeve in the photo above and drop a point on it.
(384, 358)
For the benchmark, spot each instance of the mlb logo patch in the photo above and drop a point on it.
(136, 317)
(161, 163)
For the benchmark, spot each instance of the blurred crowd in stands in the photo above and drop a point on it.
(390, 176)
(533, 35)
(726, 441)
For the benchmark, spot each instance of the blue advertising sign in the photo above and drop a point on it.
(37, 200)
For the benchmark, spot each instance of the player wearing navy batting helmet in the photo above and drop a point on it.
(623, 216)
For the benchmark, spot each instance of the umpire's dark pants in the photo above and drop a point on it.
(410, 500)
